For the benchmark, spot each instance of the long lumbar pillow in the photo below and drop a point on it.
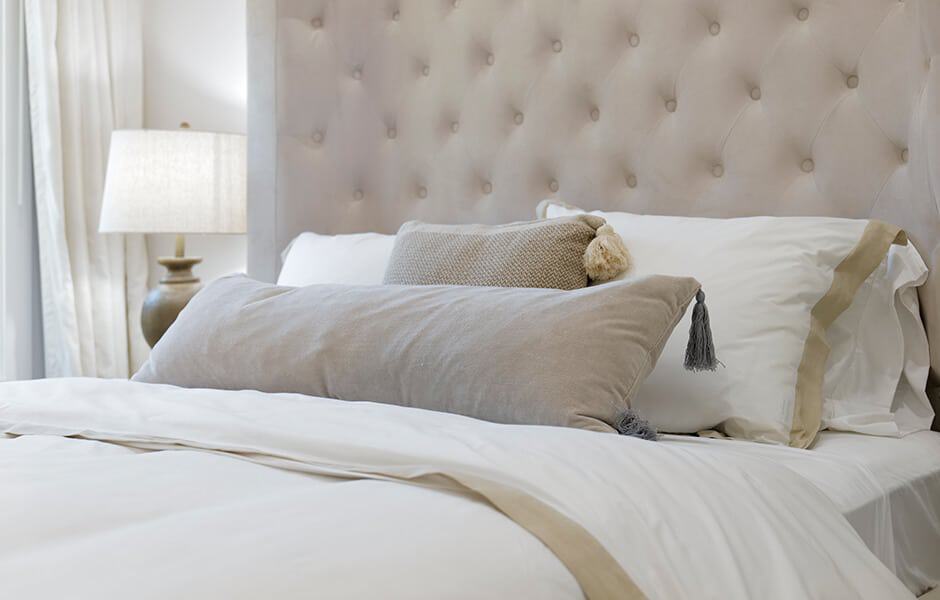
(510, 355)
(563, 253)
(775, 287)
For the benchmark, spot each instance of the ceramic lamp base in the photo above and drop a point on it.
(165, 301)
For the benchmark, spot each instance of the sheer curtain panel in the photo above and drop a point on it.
(85, 80)
(20, 324)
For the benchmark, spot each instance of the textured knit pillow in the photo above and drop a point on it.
(511, 355)
(561, 253)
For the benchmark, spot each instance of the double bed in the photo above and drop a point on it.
(364, 115)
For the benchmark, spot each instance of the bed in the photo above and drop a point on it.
(366, 114)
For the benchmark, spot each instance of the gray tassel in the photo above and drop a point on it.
(700, 353)
(632, 424)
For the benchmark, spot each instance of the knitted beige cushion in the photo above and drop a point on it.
(537, 254)
(511, 355)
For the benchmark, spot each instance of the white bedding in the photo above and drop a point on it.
(177, 501)
(899, 516)
(887, 488)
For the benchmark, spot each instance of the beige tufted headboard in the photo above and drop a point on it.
(367, 113)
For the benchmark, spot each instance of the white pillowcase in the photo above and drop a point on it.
(762, 277)
(353, 259)
(876, 376)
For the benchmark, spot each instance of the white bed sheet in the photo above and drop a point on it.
(887, 488)
(908, 472)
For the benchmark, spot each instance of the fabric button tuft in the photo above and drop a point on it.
(905, 155)
(634, 40)
(426, 70)
(671, 105)
(519, 118)
(358, 195)
(455, 126)
(595, 114)
(396, 16)
(557, 46)
(631, 181)
(714, 28)
(808, 165)
(317, 137)
(487, 187)
(852, 81)
(802, 14)
(553, 185)
(392, 133)
(490, 59)
(357, 73)
(718, 170)
(316, 23)
(755, 93)
(422, 192)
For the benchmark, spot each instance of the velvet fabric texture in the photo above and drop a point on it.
(509, 355)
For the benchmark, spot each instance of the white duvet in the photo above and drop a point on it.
(114, 489)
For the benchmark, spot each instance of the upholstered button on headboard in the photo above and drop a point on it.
(367, 113)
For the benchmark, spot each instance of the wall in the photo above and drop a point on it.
(195, 71)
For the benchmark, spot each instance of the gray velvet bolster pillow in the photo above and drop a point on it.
(510, 355)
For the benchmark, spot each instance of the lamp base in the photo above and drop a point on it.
(164, 303)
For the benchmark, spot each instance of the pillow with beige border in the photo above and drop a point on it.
(564, 253)
(509, 355)
(776, 286)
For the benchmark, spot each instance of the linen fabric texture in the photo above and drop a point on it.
(509, 355)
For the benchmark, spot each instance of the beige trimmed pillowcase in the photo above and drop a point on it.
(775, 287)
(509, 355)
(564, 253)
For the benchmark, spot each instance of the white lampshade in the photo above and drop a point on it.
(174, 182)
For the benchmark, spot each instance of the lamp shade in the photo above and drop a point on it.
(174, 182)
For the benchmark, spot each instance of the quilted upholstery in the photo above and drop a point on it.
(369, 113)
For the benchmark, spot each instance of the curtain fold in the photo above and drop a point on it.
(84, 81)
(20, 325)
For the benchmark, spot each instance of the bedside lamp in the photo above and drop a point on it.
(173, 182)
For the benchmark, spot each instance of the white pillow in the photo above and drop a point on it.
(353, 259)
(876, 376)
(762, 277)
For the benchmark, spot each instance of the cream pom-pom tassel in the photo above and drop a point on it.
(606, 256)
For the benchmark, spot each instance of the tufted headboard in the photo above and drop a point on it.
(366, 113)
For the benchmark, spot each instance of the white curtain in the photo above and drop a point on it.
(20, 325)
(85, 80)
